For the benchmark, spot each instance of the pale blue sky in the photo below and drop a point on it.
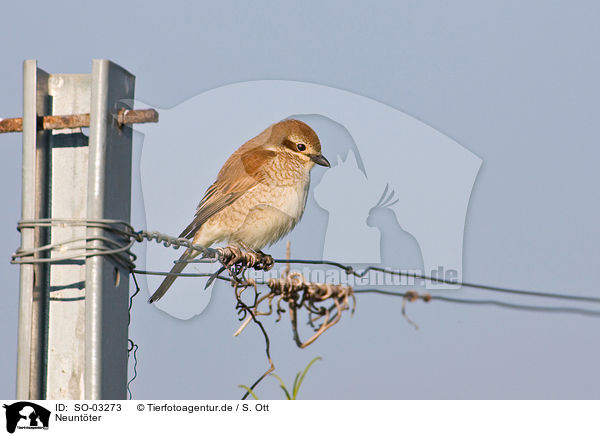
(513, 82)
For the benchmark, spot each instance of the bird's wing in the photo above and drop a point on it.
(242, 171)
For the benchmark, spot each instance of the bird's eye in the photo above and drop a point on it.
(301, 147)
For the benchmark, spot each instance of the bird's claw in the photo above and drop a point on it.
(259, 260)
(233, 256)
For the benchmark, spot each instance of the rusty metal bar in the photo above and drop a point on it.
(50, 122)
(11, 125)
(131, 116)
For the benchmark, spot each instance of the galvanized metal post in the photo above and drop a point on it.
(70, 94)
(73, 316)
(109, 196)
(33, 299)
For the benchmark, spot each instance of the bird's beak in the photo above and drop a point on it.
(319, 159)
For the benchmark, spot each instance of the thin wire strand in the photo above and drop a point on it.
(164, 274)
(350, 271)
(132, 345)
(576, 311)
(549, 309)
(249, 312)
(119, 250)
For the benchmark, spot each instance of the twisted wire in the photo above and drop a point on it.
(120, 250)
(117, 247)
(292, 288)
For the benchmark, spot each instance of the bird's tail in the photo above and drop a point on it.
(168, 281)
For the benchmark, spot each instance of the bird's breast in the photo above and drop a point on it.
(265, 213)
(289, 200)
(270, 213)
(285, 187)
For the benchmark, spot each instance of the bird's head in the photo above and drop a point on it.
(297, 140)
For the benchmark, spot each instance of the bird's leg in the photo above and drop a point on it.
(252, 256)
(257, 259)
(237, 261)
(245, 247)
(236, 265)
(230, 255)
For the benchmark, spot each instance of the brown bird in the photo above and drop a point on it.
(259, 195)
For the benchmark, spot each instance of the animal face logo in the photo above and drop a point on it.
(26, 415)
(396, 194)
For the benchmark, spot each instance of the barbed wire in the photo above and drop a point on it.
(323, 302)
(350, 270)
(222, 255)
(554, 309)
(237, 261)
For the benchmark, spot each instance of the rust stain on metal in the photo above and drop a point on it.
(11, 125)
(51, 122)
(130, 116)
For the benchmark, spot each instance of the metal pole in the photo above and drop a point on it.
(73, 315)
(109, 196)
(70, 93)
(33, 290)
